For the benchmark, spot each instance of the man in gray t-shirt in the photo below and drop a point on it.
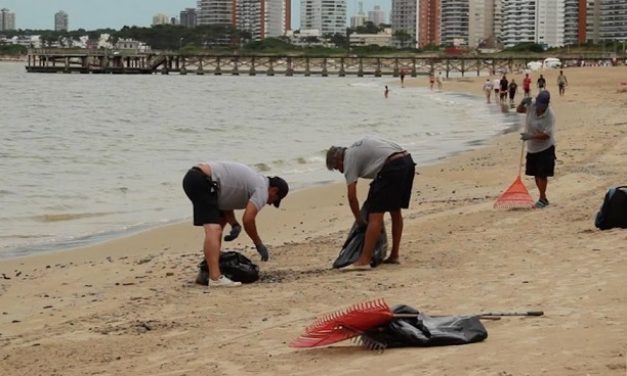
(392, 171)
(216, 189)
(540, 137)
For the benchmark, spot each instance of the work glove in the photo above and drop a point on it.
(526, 102)
(235, 230)
(263, 251)
(525, 136)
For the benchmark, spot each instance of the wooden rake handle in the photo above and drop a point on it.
(483, 315)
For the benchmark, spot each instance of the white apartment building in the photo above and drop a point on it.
(613, 20)
(160, 19)
(60, 21)
(7, 20)
(403, 18)
(550, 23)
(277, 18)
(519, 21)
(376, 16)
(360, 18)
(571, 21)
(215, 12)
(454, 22)
(327, 16)
(481, 23)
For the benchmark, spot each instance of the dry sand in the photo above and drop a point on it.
(129, 307)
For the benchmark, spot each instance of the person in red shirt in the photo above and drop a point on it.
(527, 85)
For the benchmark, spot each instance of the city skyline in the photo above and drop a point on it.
(90, 14)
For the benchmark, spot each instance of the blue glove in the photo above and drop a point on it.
(235, 230)
(525, 136)
(263, 251)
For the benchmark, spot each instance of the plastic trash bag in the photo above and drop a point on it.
(233, 265)
(351, 250)
(427, 330)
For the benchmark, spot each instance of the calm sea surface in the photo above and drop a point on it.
(85, 158)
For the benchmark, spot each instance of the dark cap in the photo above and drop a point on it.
(332, 155)
(281, 184)
(542, 100)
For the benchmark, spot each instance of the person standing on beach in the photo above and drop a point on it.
(503, 86)
(540, 137)
(497, 86)
(431, 81)
(386, 91)
(562, 82)
(487, 88)
(439, 81)
(216, 189)
(512, 92)
(392, 171)
(541, 83)
(402, 78)
(527, 85)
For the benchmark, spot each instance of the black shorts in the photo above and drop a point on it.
(391, 189)
(203, 193)
(541, 164)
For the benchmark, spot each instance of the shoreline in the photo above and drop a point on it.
(129, 306)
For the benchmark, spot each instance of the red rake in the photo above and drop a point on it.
(517, 195)
(359, 318)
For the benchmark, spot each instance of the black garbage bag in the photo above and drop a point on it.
(233, 265)
(425, 330)
(351, 250)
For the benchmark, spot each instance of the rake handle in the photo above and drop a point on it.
(487, 315)
(522, 154)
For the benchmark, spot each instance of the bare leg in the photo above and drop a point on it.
(375, 222)
(211, 248)
(542, 182)
(397, 232)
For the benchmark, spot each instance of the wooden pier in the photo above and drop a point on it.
(131, 62)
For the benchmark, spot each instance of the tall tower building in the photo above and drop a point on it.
(360, 18)
(550, 22)
(376, 16)
(327, 16)
(216, 12)
(428, 23)
(403, 18)
(481, 23)
(519, 21)
(613, 20)
(454, 21)
(60, 21)
(160, 19)
(7, 20)
(261, 18)
(188, 17)
(575, 14)
(593, 21)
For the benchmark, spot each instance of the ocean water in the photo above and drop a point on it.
(84, 158)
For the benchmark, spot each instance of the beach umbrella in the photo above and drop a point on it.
(517, 195)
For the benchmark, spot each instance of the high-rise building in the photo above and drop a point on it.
(428, 23)
(215, 12)
(481, 23)
(360, 18)
(575, 14)
(593, 20)
(550, 23)
(613, 20)
(60, 21)
(519, 21)
(403, 19)
(7, 20)
(188, 17)
(454, 22)
(326, 16)
(160, 19)
(376, 16)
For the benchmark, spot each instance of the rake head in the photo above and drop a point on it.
(345, 324)
(516, 196)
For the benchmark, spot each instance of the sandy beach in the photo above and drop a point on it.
(130, 306)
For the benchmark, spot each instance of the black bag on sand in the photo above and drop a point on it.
(425, 330)
(613, 212)
(351, 250)
(234, 266)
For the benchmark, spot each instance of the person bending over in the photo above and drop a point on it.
(392, 171)
(216, 189)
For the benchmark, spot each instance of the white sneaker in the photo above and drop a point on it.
(223, 281)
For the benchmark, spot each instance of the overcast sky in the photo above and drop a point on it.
(94, 14)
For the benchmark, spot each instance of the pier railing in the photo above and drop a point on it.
(133, 62)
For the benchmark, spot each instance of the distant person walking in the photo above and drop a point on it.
(439, 81)
(527, 85)
(513, 87)
(216, 189)
(503, 86)
(562, 82)
(402, 78)
(541, 83)
(431, 81)
(488, 86)
(497, 89)
(540, 137)
(386, 91)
